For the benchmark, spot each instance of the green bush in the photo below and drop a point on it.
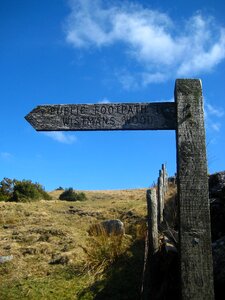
(21, 191)
(70, 195)
(59, 188)
(6, 188)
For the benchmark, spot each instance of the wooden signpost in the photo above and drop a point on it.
(119, 116)
(186, 116)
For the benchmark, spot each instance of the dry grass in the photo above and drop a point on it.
(55, 258)
(52, 252)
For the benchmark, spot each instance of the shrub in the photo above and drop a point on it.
(26, 191)
(21, 191)
(59, 188)
(6, 188)
(43, 194)
(70, 195)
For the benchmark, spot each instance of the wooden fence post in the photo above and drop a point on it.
(165, 178)
(152, 221)
(160, 198)
(151, 247)
(193, 201)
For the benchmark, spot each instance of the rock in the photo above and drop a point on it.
(218, 250)
(108, 227)
(217, 185)
(217, 204)
(6, 258)
(217, 213)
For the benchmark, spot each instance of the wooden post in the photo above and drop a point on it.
(194, 219)
(148, 288)
(152, 221)
(165, 178)
(160, 198)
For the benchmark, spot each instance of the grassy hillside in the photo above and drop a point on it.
(55, 258)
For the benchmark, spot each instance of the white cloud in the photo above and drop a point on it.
(104, 101)
(162, 47)
(61, 137)
(216, 126)
(212, 116)
(127, 79)
(212, 110)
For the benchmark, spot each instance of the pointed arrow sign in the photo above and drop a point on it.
(116, 116)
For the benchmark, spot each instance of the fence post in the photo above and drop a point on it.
(165, 178)
(160, 198)
(151, 247)
(152, 221)
(193, 200)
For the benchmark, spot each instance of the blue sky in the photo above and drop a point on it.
(87, 51)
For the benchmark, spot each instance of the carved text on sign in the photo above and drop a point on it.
(116, 116)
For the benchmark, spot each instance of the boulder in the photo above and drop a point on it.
(218, 250)
(108, 227)
(217, 204)
(217, 185)
(217, 213)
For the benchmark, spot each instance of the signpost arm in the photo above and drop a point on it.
(194, 218)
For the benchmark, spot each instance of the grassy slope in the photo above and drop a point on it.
(41, 232)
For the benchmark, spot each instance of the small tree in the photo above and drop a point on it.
(21, 191)
(70, 195)
(25, 191)
(6, 188)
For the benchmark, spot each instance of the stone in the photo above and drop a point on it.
(5, 258)
(217, 204)
(217, 212)
(218, 249)
(217, 185)
(108, 227)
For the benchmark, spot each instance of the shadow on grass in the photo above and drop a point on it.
(122, 280)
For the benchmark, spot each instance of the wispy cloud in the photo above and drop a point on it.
(149, 37)
(61, 137)
(214, 111)
(104, 101)
(216, 126)
(213, 115)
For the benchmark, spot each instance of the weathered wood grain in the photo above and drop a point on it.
(194, 219)
(165, 179)
(148, 287)
(115, 116)
(152, 221)
(160, 198)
